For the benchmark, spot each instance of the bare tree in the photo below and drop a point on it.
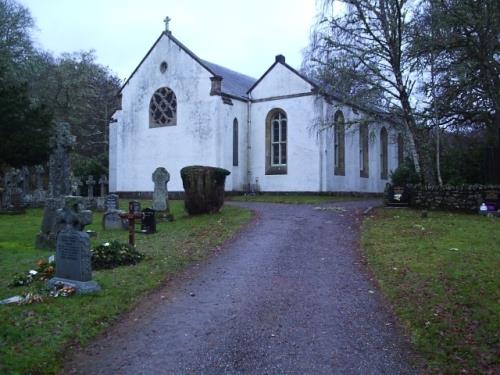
(375, 37)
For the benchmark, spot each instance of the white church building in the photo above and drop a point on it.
(273, 134)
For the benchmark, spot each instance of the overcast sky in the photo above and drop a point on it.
(243, 35)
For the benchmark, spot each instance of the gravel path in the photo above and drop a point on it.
(288, 296)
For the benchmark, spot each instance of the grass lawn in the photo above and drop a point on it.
(292, 198)
(33, 337)
(442, 276)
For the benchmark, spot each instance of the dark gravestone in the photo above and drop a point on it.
(148, 222)
(73, 256)
(204, 188)
(492, 200)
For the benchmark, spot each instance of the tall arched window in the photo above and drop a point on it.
(235, 142)
(401, 154)
(363, 151)
(163, 108)
(384, 160)
(339, 152)
(276, 142)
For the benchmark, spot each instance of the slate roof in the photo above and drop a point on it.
(233, 83)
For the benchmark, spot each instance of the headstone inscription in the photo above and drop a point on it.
(131, 216)
(148, 222)
(59, 185)
(160, 193)
(73, 256)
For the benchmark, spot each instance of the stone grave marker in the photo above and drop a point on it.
(136, 206)
(148, 222)
(112, 202)
(112, 218)
(160, 193)
(103, 181)
(40, 194)
(491, 199)
(90, 187)
(59, 185)
(13, 195)
(73, 256)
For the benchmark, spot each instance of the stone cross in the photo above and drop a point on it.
(90, 187)
(160, 194)
(39, 172)
(77, 183)
(131, 216)
(103, 181)
(73, 256)
(25, 178)
(167, 21)
(60, 162)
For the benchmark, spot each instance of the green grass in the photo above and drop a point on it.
(34, 337)
(442, 276)
(292, 198)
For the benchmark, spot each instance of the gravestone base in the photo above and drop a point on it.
(82, 287)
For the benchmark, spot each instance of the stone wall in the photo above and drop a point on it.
(458, 198)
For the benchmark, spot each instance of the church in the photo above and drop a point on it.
(277, 133)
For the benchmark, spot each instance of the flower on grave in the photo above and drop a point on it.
(106, 244)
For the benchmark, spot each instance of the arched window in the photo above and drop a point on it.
(363, 151)
(163, 108)
(235, 142)
(276, 142)
(384, 160)
(339, 152)
(401, 154)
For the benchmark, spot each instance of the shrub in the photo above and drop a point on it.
(114, 254)
(405, 174)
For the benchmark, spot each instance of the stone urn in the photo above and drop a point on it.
(204, 188)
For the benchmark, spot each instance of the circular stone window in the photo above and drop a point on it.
(163, 67)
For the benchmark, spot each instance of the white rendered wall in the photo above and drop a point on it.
(137, 150)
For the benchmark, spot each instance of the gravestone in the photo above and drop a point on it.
(39, 194)
(160, 193)
(112, 202)
(90, 187)
(27, 196)
(59, 185)
(112, 218)
(13, 194)
(103, 181)
(136, 206)
(77, 185)
(397, 196)
(73, 256)
(148, 222)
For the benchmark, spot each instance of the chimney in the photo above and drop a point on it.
(216, 88)
(280, 59)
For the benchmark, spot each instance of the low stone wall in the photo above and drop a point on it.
(459, 198)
